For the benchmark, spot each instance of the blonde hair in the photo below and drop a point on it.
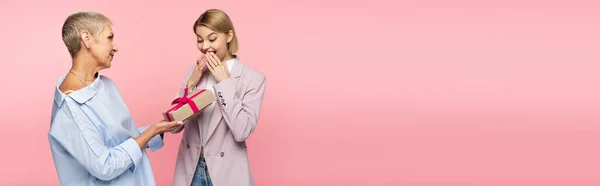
(78, 22)
(218, 21)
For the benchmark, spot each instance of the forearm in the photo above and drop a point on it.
(241, 115)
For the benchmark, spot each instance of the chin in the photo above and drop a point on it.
(107, 64)
(221, 56)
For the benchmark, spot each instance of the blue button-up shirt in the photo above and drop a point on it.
(92, 138)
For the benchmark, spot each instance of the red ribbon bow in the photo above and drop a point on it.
(180, 101)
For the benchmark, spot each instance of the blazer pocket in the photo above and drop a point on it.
(233, 151)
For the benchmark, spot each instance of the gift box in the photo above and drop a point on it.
(190, 105)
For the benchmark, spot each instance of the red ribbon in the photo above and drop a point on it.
(180, 101)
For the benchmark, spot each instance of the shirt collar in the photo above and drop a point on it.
(231, 62)
(81, 95)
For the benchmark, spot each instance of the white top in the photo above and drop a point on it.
(208, 111)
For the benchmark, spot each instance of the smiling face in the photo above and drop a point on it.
(211, 41)
(102, 47)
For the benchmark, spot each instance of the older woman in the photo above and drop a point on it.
(93, 139)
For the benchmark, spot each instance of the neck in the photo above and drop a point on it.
(84, 67)
(227, 57)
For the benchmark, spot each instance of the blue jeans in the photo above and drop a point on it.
(201, 177)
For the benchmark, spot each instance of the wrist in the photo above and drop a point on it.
(224, 78)
(189, 86)
(152, 130)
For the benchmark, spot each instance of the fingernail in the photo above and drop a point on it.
(179, 122)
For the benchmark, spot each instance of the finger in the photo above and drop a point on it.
(211, 60)
(210, 67)
(174, 124)
(215, 57)
(217, 60)
(203, 62)
(200, 65)
(173, 129)
(199, 60)
(211, 64)
(198, 68)
(203, 59)
(212, 56)
(206, 59)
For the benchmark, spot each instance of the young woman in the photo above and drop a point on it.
(213, 146)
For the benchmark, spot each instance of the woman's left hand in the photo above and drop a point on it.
(217, 69)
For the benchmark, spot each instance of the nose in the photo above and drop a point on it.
(205, 47)
(115, 48)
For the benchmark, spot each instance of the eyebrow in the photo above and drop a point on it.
(213, 33)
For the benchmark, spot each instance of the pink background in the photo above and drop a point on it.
(421, 93)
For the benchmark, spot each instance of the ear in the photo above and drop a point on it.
(86, 38)
(230, 35)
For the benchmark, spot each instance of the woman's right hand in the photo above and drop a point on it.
(166, 126)
(156, 129)
(197, 73)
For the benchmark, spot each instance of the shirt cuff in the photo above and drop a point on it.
(155, 143)
(133, 150)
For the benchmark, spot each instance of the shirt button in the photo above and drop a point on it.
(188, 146)
(222, 154)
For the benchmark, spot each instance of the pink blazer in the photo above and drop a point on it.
(234, 118)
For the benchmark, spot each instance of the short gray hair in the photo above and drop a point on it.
(78, 22)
